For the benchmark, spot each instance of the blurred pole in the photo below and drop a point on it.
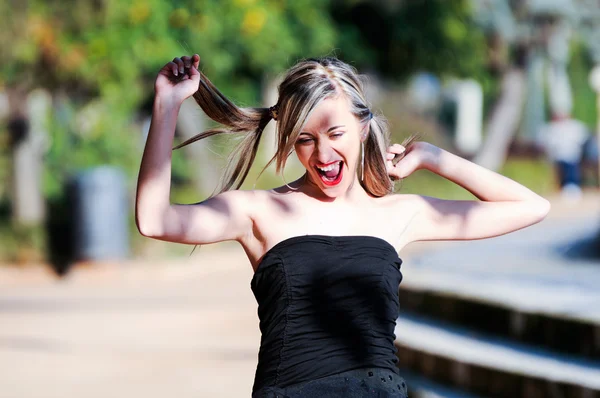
(559, 87)
(27, 128)
(534, 113)
(469, 98)
(4, 106)
(595, 83)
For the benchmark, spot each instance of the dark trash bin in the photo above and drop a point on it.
(99, 215)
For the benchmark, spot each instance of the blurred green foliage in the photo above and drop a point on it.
(584, 100)
(98, 59)
(405, 37)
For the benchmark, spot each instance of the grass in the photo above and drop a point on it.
(21, 245)
(535, 174)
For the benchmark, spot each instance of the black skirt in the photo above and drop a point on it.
(370, 382)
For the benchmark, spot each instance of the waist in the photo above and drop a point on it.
(363, 382)
(304, 362)
(313, 344)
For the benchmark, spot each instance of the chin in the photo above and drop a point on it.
(334, 191)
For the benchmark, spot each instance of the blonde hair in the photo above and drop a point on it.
(305, 85)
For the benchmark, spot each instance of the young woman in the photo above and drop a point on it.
(324, 248)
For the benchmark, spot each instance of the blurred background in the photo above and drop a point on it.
(89, 307)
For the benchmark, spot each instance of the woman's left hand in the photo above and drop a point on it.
(417, 156)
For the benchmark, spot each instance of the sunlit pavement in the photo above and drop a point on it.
(185, 327)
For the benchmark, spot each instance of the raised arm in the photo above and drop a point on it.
(223, 217)
(504, 206)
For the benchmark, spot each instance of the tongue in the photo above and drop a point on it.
(332, 174)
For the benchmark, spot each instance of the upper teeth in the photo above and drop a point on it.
(327, 168)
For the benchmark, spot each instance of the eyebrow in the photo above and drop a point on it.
(328, 130)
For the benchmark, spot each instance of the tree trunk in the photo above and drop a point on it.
(504, 120)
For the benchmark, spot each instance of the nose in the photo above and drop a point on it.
(324, 151)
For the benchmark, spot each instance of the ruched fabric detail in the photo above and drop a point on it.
(326, 305)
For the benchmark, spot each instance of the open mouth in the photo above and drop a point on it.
(331, 174)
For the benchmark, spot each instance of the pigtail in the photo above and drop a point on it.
(376, 180)
(242, 158)
(249, 121)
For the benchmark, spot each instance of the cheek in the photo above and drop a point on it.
(303, 153)
(352, 149)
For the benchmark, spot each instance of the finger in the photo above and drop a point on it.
(187, 61)
(392, 172)
(179, 63)
(397, 158)
(391, 167)
(396, 148)
(172, 66)
(399, 147)
(192, 72)
(390, 156)
(196, 60)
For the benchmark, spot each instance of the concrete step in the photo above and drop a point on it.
(489, 366)
(549, 329)
(533, 286)
(421, 387)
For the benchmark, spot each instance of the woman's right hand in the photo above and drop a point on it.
(179, 79)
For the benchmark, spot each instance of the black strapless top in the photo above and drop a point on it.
(326, 304)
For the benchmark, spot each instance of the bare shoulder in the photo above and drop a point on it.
(405, 202)
(282, 196)
(423, 208)
(403, 212)
(233, 200)
(236, 207)
(226, 216)
(251, 202)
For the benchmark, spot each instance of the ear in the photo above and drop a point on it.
(364, 133)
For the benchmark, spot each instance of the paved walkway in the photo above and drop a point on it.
(184, 327)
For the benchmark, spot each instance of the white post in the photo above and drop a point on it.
(534, 113)
(559, 87)
(28, 205)
(4, 106)
(469, 98)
